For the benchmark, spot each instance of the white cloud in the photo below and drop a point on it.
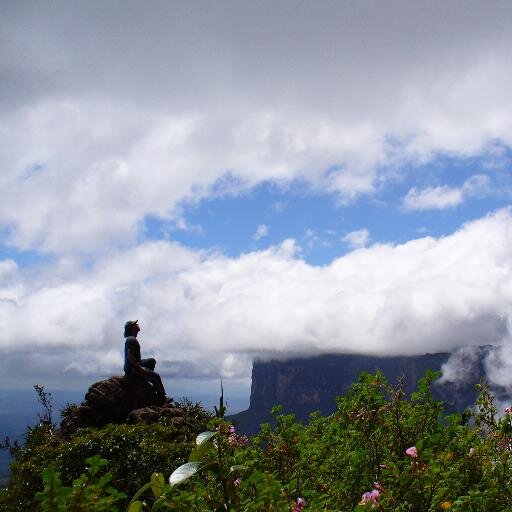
(202, 93)
(182, 224)
(311, 240)
(443, 197)
(261, 232)
(204, 315)
(357, 239)
(478, 185)
(433, 198)
(197, 101)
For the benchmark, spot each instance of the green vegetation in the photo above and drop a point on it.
(90, 492)
(380, 450)
(133, 453)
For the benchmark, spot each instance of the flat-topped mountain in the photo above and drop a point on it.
(304, 385)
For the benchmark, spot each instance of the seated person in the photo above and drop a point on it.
(137, 367)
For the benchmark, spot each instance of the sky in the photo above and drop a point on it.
(252, 180)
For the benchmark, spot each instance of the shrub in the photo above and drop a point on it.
(380, 450)
(133, 453)
(90, 492)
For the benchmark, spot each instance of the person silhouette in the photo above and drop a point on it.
(134, 366)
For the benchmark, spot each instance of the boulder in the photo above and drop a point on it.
(154, 413)
(118, 400)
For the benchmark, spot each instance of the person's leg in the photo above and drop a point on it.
(149, 363)
(155, 379)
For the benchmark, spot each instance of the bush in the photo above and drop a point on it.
(90, 492)
(133, 453)
(379, 450)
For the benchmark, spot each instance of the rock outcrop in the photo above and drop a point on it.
(118, 400)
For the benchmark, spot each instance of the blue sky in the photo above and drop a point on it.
(251, 182)
(320, 222)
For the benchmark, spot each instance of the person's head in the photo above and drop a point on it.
(131, 328)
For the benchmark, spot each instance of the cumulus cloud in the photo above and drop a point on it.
(208, 315)
(357, 239)
(442, 197)
(105, 117)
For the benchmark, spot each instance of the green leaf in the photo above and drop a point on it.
(237, 468)
(159, 503)
(200, 451)
(204, 436)
(157, 484)
(363, 508)
(136, 506)
(140, 492)
(184, 472)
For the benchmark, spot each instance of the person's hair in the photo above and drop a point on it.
(129, 330)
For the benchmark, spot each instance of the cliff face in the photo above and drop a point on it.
(304, 385)
(314, 382)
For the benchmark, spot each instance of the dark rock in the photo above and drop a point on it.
(117, 400)
(154, 413)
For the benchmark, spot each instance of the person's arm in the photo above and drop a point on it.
(133, 361)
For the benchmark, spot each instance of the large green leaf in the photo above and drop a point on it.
(157, 484)
(136, 506)
(184, 472)
(200, 451)
(204, 436)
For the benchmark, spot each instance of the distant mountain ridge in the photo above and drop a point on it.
(306, 384)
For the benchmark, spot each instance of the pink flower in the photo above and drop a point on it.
(412, 452)
(299, 506)
(237, 482)
(471, 451)
(508, 410)
(370, 497)
(365, 498)
(231, 429)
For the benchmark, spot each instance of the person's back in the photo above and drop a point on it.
(132, 345)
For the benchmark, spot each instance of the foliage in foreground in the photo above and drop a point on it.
(379, 450)
(133, 453)
(88, 493)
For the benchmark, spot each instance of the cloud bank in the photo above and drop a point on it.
(207, 315)
(113, 112)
